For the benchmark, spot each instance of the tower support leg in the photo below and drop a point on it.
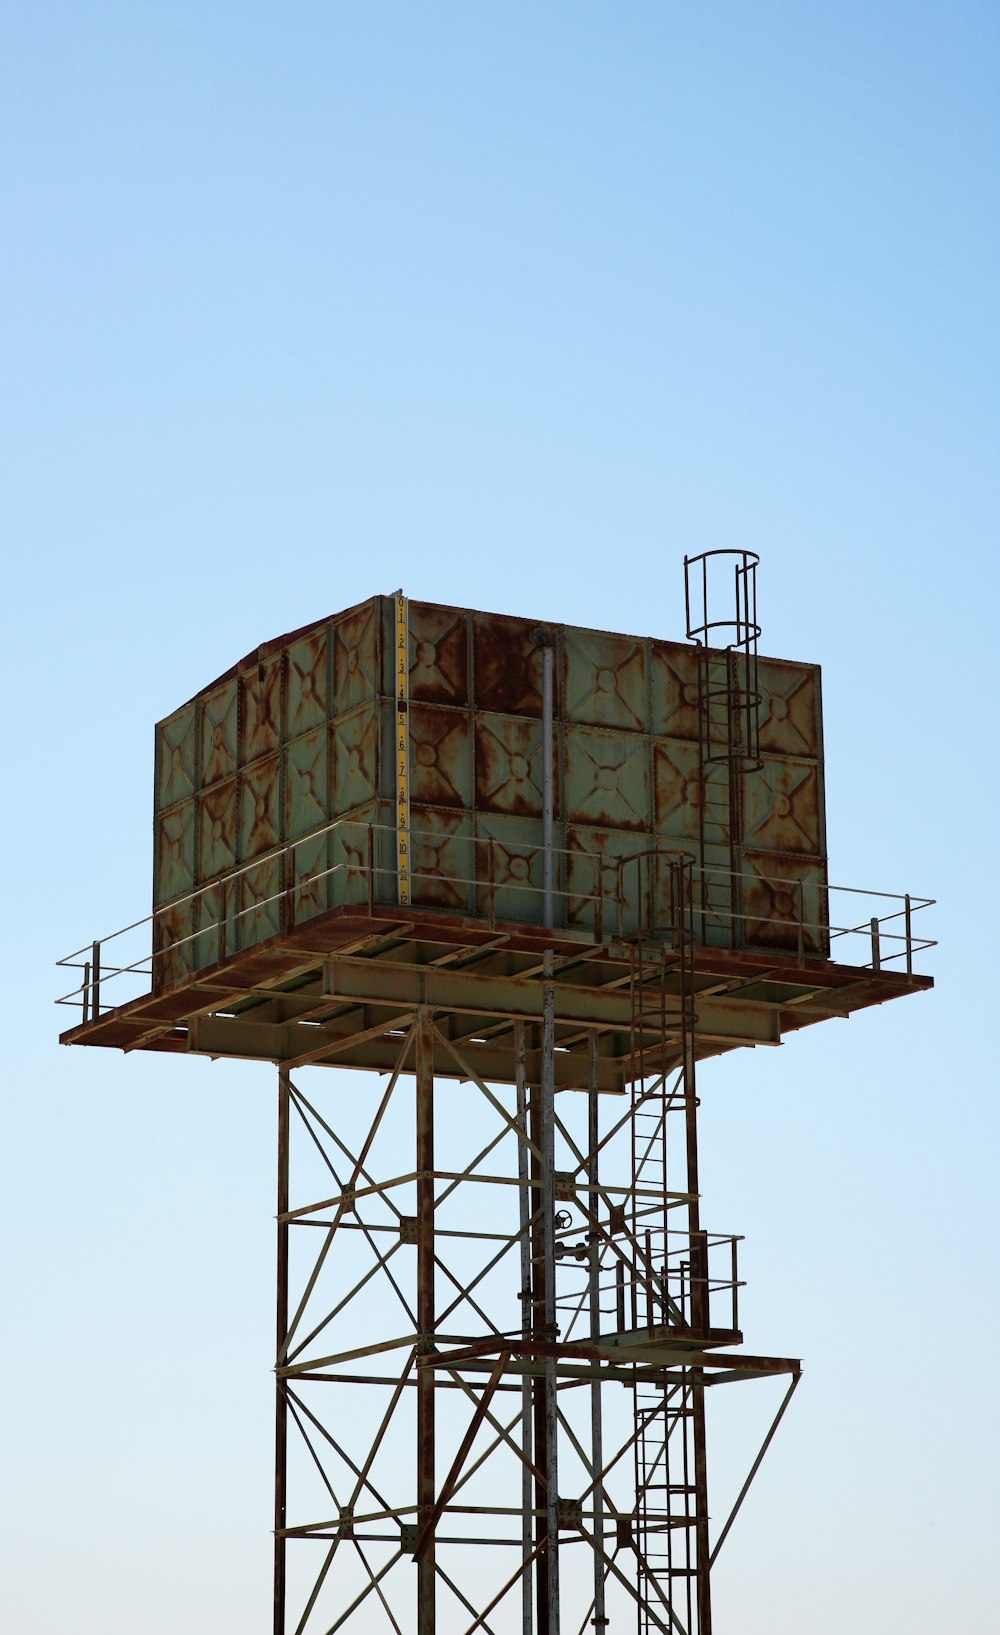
(426, 1570)
(280, 1396)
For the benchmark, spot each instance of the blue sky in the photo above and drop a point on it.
(511, 305)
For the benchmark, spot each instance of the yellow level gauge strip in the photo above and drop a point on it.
(402, 749)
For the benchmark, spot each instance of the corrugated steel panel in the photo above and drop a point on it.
(790, 712)
(674, 690)
(678, 791)
(443, 859)
(355, 759)
(260, 711)
(217, 815)
(307, 794)
(440, 756)
(508, 756)
(260, 907)
(173, 853)
(508, 665)
(177, 757)
(597, 884)
(355, 658)
(308, 701)
(604, 680)
(780, 890)
(173, 951)
(219, 732)
(607, 778)
(782, 807)
(439, 654)
(260, 807)
(510, 869)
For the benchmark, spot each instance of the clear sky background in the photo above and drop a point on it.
(511, 304)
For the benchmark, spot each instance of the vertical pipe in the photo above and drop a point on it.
(548, 778)
(549, 1292)
(524, 1220)
(596, 1422)
(909, 935)
(85, 990)
(281, 1335)
(876, 959)
(426, 1570)
(95, 985)
(541, 1437)
(547, 1145)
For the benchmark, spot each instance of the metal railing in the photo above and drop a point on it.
(502, 884)
(653, 1279)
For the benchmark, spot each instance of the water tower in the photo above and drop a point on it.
(525, 877)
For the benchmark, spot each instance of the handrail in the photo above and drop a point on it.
(886, 940)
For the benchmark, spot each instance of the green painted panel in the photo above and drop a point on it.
(678, 789)
(355, 758)
(306, 793)
(217, 831)
(443, 860)
(260, 910)
(173, 848)
(607, 778)
(440, 756)
(176, 757)
(308, 690)
(509, 868)
(604, 679)
(790, 708)
(782, 806)
(674, 690)
(260, 807)
(260, 696)
(439, 654)
(355, 658)
(508, 751)
(219, 746)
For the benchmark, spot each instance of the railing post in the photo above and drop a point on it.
(86, 991)
(736, 1286)
(876, 957)
(491, 875)
(801, 926)
(371, 871)
(95, 986)
(909, 935)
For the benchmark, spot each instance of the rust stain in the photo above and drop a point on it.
(218, 733)
(607, 779)
(677, 789)
(308, 700)
(260, 807)
(782, 807)
(789, 716)
(439, 655)
(261, 713)
(604, 680)
(440, 757)
(174, 852)
(176, 741)
(355, 679)
(217, 830)
(509, 765)
(674, 690)
(442, 860)
(355, 755)
(778, 890)
(508, 665)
